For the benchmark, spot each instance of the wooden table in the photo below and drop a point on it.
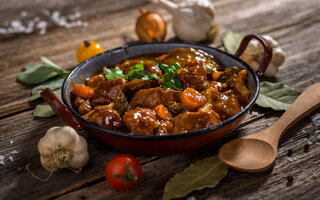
(294, 23)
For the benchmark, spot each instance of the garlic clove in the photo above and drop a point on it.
(66, 136)
(79, 160)
(278, 56)
(272, 41)
(271, 70)
(80, 153)
(80, 146)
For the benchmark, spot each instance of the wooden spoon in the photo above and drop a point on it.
(257, 152)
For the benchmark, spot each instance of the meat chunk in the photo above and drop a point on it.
(135, 85)
(83, 105)
(164, 127)
(107, 90)
(219, 86)
(151, 68)
(141, 121)
(193, 75)
(236, 80)
(150, 98)
(94, 80)
(191, 121)
(105, 117)
(240, 89)
(224, 103)
(183, 55)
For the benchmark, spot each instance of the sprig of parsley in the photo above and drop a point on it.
(150, 77)
(168, 80)
(136, 72)
(114, 73)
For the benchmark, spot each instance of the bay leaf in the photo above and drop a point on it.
(48, 62)
(43, 109)
(201, 174)
(31, 66)
(231, 41)
(53, 84)
(277, 96)
(39, 75)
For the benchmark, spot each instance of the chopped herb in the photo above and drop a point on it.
(114, 73)
(136, 72)
(150, 77)
(169, 82)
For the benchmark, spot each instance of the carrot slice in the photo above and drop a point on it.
(192, 98)
(82, 91)
(216, 75)
(162, 112)
(243, 74)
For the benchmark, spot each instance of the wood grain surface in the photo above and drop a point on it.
(295, 24)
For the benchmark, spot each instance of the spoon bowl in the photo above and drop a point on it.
(257, 152)
(239, 155)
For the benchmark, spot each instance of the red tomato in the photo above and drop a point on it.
(123, 172)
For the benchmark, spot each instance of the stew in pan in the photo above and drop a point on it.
(177, 92)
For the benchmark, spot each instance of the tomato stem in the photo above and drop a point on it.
(129, 176)
(86, 43)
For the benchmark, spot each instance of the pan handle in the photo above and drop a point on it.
(267, 55)
(61, 109)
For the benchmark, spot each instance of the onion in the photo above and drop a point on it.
(150, 27)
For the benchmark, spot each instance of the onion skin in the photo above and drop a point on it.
(150, 27)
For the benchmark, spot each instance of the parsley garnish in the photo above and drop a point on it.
(168, 80)
(136, 72)
(114, 73)
(150, 77)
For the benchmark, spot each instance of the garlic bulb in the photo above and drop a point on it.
(254, 53)
(62, 147)
(192, 20)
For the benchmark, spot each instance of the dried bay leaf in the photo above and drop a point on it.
(53, 84)
(43, 109)
(231, 41)
(31, 66)
(39, 73)
(277, 96)
(49, 62)
(201, 174)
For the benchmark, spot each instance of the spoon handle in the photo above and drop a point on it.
(307, 102)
